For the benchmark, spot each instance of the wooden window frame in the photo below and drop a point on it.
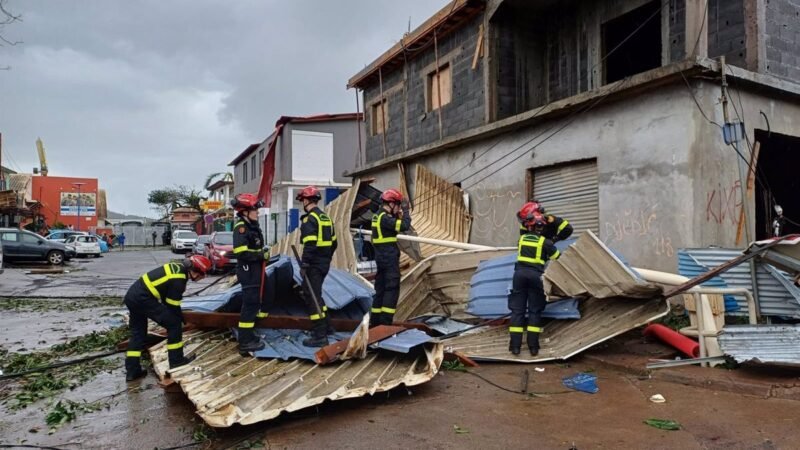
(379, 109)
(433, 77)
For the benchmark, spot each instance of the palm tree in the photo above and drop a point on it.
(218, 176)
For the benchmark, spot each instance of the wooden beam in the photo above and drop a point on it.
(478, 48)
(331, 352)
(231, 320)
(696, 35)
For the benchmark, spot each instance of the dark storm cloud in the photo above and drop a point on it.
(149, 93)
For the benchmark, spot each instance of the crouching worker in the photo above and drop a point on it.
(157, 296)
(533, 251)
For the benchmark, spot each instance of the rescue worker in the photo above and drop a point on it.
(555, 228)
(533, 251)
(392, 218)
(250, 253)
(319, 242)
(157, 296)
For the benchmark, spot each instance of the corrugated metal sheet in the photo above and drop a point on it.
(773, 296)
(287, 344)
(443, 325)
(227, 389)
(440, 285)
(590, 269)
(404, 342)
(491, 283)
(770, 344)
(690, 268)
(561, 339)
(439, 213)
(570, 191)
(340, 211)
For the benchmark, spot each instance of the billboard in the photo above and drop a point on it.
(70, 202)
(211, 205)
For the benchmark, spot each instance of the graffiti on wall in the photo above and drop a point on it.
(724, 204)
(642, 225)
(494, 210)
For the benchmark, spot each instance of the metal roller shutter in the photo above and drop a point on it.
(570, 191)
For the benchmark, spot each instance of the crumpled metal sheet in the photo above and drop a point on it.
(590, 269)
(227, 388)
(403, 342)
(768, 344)
(561, 339)
(287, 344)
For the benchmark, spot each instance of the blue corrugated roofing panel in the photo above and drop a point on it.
(441, 324)
(404, 341)
(489, 287)
(689, 267)
(287, 344)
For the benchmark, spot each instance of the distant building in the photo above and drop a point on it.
(68, 200)
(314, 150)
(185, 218)
(221, 193)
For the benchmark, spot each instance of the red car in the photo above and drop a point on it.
(220, 250)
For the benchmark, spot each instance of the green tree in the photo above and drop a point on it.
(164, 200)
(190, 197)
(214, 177)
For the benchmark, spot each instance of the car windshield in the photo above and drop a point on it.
(186, 235)
(203, 239)
(223, 238)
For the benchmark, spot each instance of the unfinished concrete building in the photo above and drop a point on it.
(609, 112)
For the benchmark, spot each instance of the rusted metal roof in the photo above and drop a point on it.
(590, 269)
(769, 344)
(439, 213)
(448, 19)
(227, 388)
(600, 320)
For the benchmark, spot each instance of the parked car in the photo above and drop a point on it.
(220, 250)
(103, 244)
(62, 235)
(183, 240)
(199, 247)
(21, 245)
(83, 245)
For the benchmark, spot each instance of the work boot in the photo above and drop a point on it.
(329, 330)
(182, 361)
(534, 350)
(133, 375)
(318, 338)
(252, 346)
(514, 350)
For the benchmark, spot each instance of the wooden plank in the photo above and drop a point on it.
(478, 48)
(231, 320)
(329, 353)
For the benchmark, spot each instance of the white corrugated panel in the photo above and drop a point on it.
(775, 298)
(570, 191)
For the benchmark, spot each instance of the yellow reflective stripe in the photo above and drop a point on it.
(515, 329)
(397, 225)
(175, 346)
(523, 242)
(321, 224)
(563, 225)
(150, 286)
(172, 302)
(388, 310)
(533, 329)
(133, 354)
(247, 324)
(377, 230)
(239, 224)
(240, 249)
(555, 255)
(316, 316)
(309, 239)
(262, 315)
(325, 308)
(375, 310)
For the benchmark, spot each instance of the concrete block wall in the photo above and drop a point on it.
(782, 38)
(726, 31)
(466, 109)
(677, 30)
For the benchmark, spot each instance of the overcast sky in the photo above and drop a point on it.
(149, 93)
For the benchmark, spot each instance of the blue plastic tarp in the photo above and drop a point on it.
(583, 382)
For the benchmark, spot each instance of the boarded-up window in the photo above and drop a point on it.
(570, 191)
(440, 81)
(380, 117)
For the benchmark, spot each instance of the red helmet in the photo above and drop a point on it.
(392, 196)
(198, 263)
(527, 211)
(309, 192)
(536, 220)
(245, 202)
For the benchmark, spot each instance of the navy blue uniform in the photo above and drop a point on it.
(385, 228)
(319, 242)
(248, 243)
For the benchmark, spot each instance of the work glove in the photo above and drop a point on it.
(265, 251)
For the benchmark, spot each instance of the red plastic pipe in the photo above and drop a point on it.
(682, 343)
